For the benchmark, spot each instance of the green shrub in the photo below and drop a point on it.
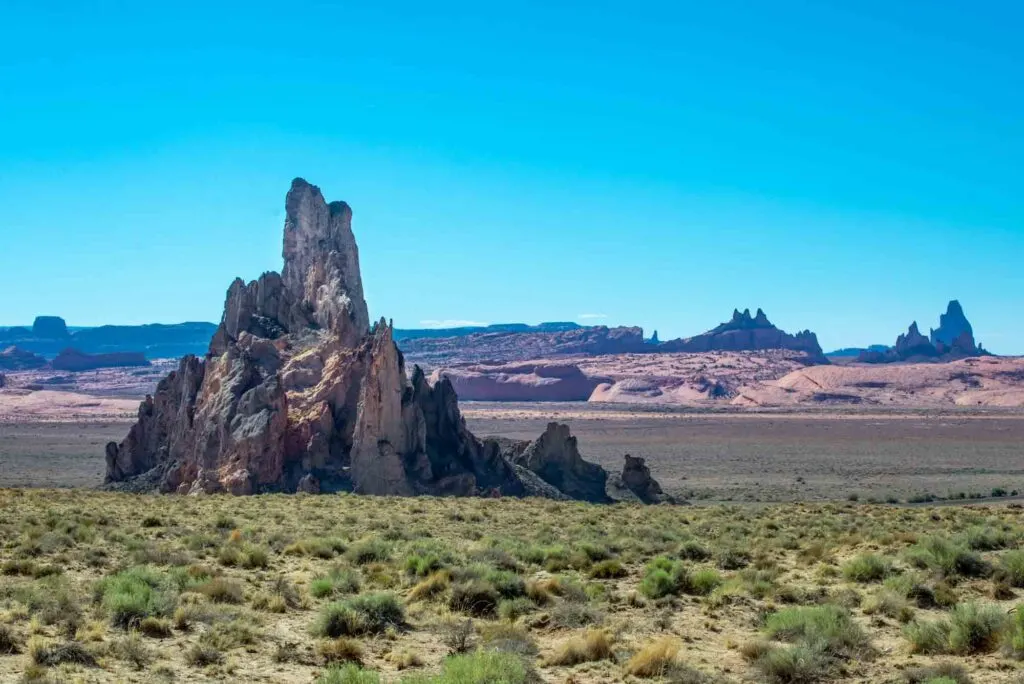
(827, 628)
(350, 673)
(664, 577)
(474, 597)
(337, 581)
(793, 665)
(947, 558)
(975, 628)
(928, 637)
(867, 568)
(364, 614)
(513, 609)
(704, 581)
(1011, 568)
(482, 667)
(693, 550)
(608, 569)
(369, 551)
(135, 594)
(1013, 640)
(984, 538)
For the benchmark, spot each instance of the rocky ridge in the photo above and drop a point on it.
(748, 333)
(298, 392)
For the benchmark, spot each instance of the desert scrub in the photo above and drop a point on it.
(133, 595)
(372, 550)
(947, 558)
(475, 597)
(1010, 568)
(867, 568)
(316, 547)
(821, 638)
(337, 581)
(350, 673)
(971, 628)
(482, 667)
(664, 577)
(364, 614)
(592, 645)
(656, 659)
(608, 569)
(986, 538)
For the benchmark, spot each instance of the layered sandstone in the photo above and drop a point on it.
(297, 392)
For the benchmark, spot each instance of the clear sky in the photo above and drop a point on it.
(847, 166)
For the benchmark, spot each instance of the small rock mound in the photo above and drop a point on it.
(555, 457)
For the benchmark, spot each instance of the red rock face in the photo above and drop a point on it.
(297, 393)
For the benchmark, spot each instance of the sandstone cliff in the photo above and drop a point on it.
(297, 392)
(74, 360)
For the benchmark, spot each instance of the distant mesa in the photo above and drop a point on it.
(76, 361)
(951, 341)
(748, 333)
(421, 333)
(49, 336)
(520, 381)
(50, 328)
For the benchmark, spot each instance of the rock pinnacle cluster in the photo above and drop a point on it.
(298, 392)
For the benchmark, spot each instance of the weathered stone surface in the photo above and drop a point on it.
(555, 457)
(297, 394)
(3, 381)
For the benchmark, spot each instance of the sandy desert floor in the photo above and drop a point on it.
(736, 456)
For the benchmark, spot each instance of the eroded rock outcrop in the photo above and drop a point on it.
(748, 333)
(952, 340)
(636, 483)
(529, 381)
(555, 457)
(297, 393)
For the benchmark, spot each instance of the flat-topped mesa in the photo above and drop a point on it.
(297, 393)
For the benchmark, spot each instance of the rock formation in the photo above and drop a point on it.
(953, 326)
(523, 346)
(76, 361)
(14, 358)
(297, 393)
(50, 328)
(636, 483)
(555, 458)
(952, 340)
(525, 381)
(3, 381)
(748, 333)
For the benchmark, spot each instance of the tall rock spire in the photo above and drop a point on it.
(321, 260)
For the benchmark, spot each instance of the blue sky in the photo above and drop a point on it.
(846, 166)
